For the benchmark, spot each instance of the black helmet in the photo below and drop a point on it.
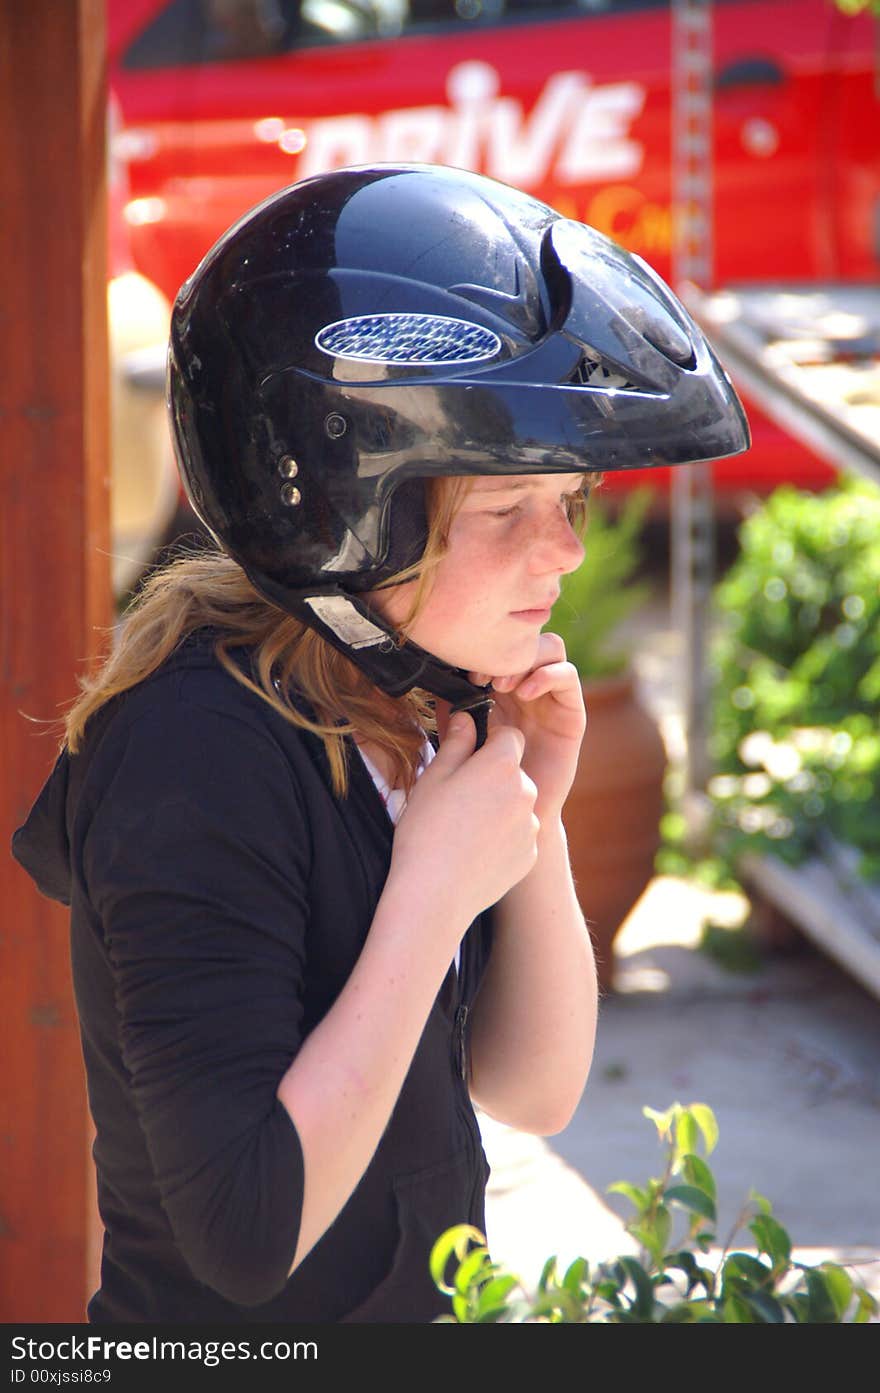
(365, 329)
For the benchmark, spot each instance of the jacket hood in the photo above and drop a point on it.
(41, 845)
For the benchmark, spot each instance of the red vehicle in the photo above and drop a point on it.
(224, 101)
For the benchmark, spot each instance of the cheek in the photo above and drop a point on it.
(452, 592)
(470, 588)
(469, 585)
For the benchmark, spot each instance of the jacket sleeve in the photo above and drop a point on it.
(197, 861)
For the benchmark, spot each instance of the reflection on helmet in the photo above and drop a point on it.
(369, 328)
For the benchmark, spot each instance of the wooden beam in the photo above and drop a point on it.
(56, 606)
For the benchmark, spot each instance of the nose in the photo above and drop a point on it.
(556, 547)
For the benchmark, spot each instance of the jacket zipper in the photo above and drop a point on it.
(459, 1036)
(460, 1054)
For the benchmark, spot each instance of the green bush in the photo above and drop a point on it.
(797, 678)
(671, 1280)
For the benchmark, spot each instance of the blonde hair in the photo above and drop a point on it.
(208, 590)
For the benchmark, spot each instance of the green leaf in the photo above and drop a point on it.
(696, 1172)
(840, 1286)
(652, 1232)
(662, 1229)
(495, 1292)
(632, 1192)
(689, 1197)
(822, 1308)
(696, 1275)
(661, 1120)
(741, 1270)
(771, 1239)
(768, 1310)
(626, 1317)
(764, 1205)
(685, 1133)
(559, 1308)
(453, 1242)
(471, 1269)
(798, 1304)
(645, 1235)
(738, 1312)
(608, 1289)
(691, 1313)
(490, 1315)
(461, 1310)
(505, 1310)
(577, 1276)
(548, 1274)
(705, 1120)
(866, 1307)
(643, 1306)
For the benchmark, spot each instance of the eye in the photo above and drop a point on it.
(567, 500)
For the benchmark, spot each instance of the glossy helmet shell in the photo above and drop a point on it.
(365, 329)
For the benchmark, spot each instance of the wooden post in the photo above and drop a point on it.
(56, 605)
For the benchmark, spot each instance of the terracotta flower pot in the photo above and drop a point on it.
(612, 815)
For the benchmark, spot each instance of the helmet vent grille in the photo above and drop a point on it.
(425, 340)
(592, 372)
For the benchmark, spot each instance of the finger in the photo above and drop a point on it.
(458, 742)
(442, 714)
(551, 649)
(505, 736)
(560, 679)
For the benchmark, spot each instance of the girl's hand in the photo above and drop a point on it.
(471, 825)
(469, 831)
(546, 704)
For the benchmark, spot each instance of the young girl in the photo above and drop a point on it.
(308, 817)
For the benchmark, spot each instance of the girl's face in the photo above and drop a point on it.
(493, 589)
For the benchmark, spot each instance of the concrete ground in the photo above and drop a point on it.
(787, 1056)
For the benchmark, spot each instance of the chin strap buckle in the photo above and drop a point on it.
(479, 707)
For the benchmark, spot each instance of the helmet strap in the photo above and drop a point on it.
(363, 636)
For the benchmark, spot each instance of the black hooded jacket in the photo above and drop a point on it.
(220, 894)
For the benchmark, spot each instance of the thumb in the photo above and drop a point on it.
(460, 737)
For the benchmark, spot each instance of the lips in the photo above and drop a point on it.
(539, 608)
(534, 615)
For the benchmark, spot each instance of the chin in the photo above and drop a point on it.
(508, 661)
(503, 667)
